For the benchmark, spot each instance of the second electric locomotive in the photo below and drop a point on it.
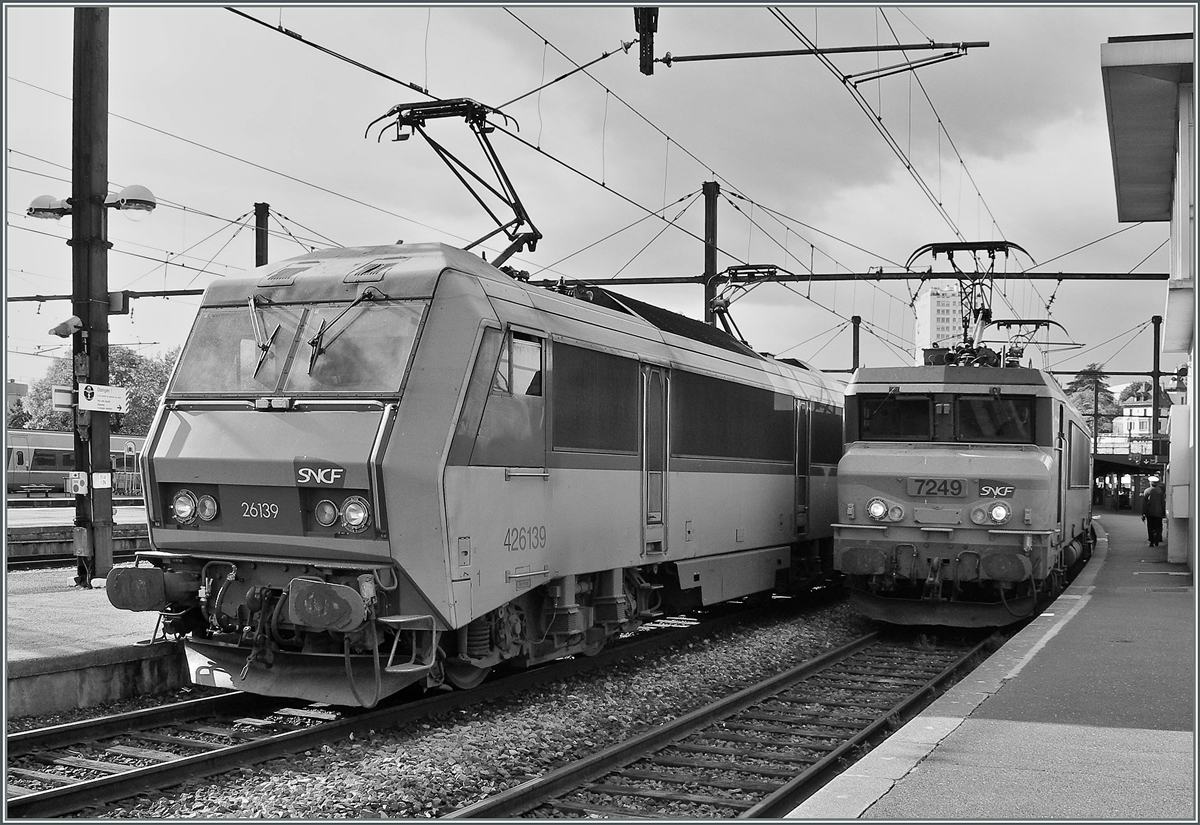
(964, 495)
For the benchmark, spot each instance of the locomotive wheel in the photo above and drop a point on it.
(594, 648)
(464, 676)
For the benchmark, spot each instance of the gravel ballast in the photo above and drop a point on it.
(429, 768)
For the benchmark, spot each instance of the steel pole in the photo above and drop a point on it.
(89, 267)
(1155, 410)
(710, 190)
(260, 233)
(856, 320)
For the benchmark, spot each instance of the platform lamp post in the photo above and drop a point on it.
(88, 328)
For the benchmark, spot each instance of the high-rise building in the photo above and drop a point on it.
(939, 318)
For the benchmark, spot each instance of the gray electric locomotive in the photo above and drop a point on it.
(964, 495)
(392, 465)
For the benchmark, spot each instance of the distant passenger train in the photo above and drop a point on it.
(964, 495)
(399, 465)
(45, 457)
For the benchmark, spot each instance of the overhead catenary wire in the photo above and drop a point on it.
(258, 166)
(613, 234)
(538, 148)
(1134, 331)
(876, 122)
(161, 202)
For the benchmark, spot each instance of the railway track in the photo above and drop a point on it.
(755, 754)
(90, 764)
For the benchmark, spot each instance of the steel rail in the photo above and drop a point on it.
(784, 800)
(530, 793)
(578, 776)
(57, 736)
(114, 787)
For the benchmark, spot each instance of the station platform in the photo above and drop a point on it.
(66, 647)
(1087, 714)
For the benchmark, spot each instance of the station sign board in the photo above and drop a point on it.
(103, 399)
(62, 399)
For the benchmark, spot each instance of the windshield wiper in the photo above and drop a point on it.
(318, 342)
(890, 393)
(261, 339)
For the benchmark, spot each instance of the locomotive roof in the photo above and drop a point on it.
(411, 271)
(948, 378)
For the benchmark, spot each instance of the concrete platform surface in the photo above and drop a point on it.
(65, 516)
(1087, 714)
(68, 648)
(45, 617)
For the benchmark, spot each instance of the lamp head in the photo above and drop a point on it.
(135, 202)
(46, 206)
(68, 327)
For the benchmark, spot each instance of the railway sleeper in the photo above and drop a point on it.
(198, 744)
(42, 776)
(809, 720)
(713, 764)
(760, 742)
(605, 810)
(696, 779)
(790, 732)
(670, 796)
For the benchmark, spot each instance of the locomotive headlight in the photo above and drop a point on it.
(979, 515)
(183, 506)
(999, 512)
(877, 509)
(326, 513)
(895, 513)
(356, 514)
(206, 508)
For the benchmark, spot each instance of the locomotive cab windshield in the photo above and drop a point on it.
(948, 417)
(359, 347)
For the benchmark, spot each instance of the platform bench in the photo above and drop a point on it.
(30, 489)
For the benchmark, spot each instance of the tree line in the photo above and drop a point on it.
(144, 376)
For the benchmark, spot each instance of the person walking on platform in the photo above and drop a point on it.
(1154, 509)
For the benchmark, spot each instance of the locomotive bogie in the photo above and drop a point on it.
(532, 475)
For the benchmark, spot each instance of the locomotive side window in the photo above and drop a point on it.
(68, 459)
(991, 419)
(891, 417)
(712, 418)
(594, 398)
(1080, 457)
(826, 434)
(519, 371)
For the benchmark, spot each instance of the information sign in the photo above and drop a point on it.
(103, 399)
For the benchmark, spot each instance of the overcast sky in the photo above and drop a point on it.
(214, 112)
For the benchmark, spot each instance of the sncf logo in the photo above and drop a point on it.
(317, 473)
(996, 489)
(323, 476)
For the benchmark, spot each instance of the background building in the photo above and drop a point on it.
(1149, 94)
(939, 318)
